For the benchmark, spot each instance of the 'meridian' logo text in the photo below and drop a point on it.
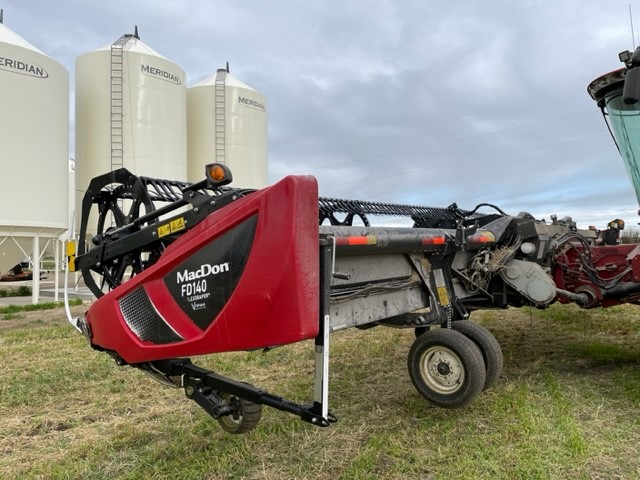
(23, 68)
(249, 102)
(161, 74)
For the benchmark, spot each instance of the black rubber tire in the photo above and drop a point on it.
(245, 416)
(420, 330)
(446, 368)
(488, 345)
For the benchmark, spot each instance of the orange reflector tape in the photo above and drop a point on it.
(482, 237)
(433, 241)
(360, 240)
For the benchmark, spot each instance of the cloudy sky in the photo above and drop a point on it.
(406, 101)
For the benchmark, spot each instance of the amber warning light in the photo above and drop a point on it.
(218, 174)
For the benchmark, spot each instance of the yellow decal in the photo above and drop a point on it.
(441, 287)
(164, 230)
(443, 296)
(70, 247)
(177, 224)
(171, 227)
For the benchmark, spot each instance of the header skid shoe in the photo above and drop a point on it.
(245, 277)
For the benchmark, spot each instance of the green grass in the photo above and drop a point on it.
(16, 312)
(21, 291)
(567, 406)
(10, 309)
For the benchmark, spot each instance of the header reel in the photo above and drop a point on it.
(121, 206)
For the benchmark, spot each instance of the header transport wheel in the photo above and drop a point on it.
(488, 345)
(244, 415)
(446, 368)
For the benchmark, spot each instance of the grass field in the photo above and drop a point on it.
(566, 406)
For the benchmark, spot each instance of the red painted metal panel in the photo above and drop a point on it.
(273, 301)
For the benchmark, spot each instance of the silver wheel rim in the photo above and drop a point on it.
(442, 370)
(229, 420)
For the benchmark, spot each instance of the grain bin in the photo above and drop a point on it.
(227, 123)
(130, 112)
(34, 121)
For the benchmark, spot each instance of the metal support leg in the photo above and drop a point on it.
(321, 384)
(35, 262)
(321, 388)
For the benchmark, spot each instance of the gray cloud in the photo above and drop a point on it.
(403, 101)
